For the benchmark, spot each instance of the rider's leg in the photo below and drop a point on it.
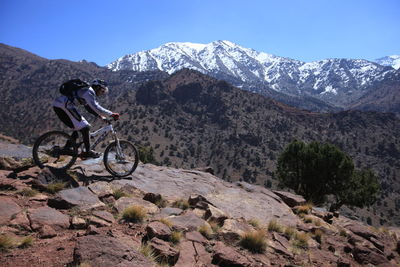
(86, 138)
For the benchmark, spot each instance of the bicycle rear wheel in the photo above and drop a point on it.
(121, 163)
(49, 151)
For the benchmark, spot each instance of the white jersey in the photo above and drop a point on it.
(86, 97)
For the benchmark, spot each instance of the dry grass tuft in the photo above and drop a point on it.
(254, 241)
(55, 187)
(304, 209)
(118, 193)
(300, 240)
(181, 204)
(167, 222)
(26, 242)
(6, 242)
(275, 226)
(176, 237)
(206, 231)
(134, 214)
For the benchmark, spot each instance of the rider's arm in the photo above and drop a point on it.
(93, 106)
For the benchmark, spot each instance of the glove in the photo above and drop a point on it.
(115, 116)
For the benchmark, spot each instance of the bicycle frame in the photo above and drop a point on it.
(102, 133)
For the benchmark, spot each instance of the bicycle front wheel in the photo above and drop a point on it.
(49, 151)
(121, 161)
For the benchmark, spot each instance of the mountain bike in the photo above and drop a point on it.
(120, 157)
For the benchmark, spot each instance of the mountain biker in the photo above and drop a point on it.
(66, 111)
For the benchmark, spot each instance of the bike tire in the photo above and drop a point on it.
(39, 156)
(108, 158)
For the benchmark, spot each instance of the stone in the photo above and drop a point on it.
(47, 232)
(78, 223)
(104, 215)
(207, 169)
(48, 216)
(8, 209)
(193, 254)
(196, 237)
(125, 202)
(232, 229)
(80, 197)
(153, 198)
(164, 251)
(281, 245)
(364, 255)
(92, 230)
(228, 256)
(101, 189)
(168, 211)
(98, 222)
(215, 215)
(105, 251)
(10, 184)
(291, 199)
(199, 201)
(21, 221)
(187, 222)
(159, 230)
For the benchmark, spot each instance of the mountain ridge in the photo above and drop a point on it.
(339, 82)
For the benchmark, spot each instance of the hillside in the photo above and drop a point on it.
(174, 217)
(192, 120)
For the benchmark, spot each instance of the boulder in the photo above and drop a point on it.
(105, 251)
(198, 201)
(291, 199)
(47, 232)
(232, 229)
(228, 256)
(215, 215)
(48, 216)
(168, 211)
(80, 197)
(164, 251)
(101, 218)
(364, 255)
(187, 222)
(8, 209)
(78, 223)
(159, 230)
(124, 202)
(101, 189)
(193, 254)
(196, 237)
(281, 245)
(21, 221)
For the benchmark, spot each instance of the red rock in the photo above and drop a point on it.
(291, 199)
(164, 251)
(47, 232)
(159, 230)
(227, 256)
(8, 208)
(196, 237)
(187, 222)
(106, 251)
(47, 216)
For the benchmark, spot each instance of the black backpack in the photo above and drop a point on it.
(69, 87)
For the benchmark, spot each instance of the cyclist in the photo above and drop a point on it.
(66, 111)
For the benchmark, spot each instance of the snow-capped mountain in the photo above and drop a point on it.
(336, 81)
(392, 61)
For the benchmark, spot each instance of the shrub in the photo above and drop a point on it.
(28, 192)
(148, 252)
(118, 193)
(26, 242)
(304, 209)
(300, 240)
(255, 223)
(181, 203)
(166, 221)
(318, 235)
(206, 231)
(134, 214)
(176, 237)
(55, 187)
(254, 241)
(274, 226)
(290, 232)
(6, 242)
(308, 219)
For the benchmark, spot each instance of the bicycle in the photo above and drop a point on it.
(120, 156)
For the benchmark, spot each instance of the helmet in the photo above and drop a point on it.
(98, 84)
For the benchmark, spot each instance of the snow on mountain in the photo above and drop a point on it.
(331, 80)
(392, 61)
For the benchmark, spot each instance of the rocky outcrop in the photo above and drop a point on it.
(83, 225)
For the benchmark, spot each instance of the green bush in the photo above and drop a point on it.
(316, 170)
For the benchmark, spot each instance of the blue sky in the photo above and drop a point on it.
(104, 30)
